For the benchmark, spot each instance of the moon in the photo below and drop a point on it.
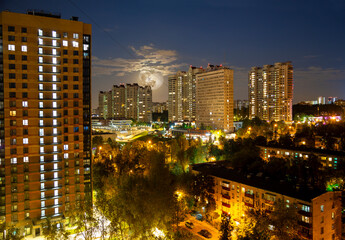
(155, 80)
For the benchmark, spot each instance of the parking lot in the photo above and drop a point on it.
(198, 226)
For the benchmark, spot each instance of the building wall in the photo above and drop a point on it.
(214, 95)
(45, 158)
(270, 91)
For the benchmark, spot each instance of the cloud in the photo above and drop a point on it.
(318, 74)
(146, 58)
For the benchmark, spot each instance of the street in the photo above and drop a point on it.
(198, 226)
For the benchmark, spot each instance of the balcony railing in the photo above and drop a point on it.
(249, 204)
(304, 213)
(249, 195)
(225, 196)
(226, 188)
(225, 204)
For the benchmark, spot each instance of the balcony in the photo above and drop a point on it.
(49, 63)
(304, 213)
(50, 125)
(50, 89)
(49, 54)
(50, 99)
(50, 81)
(51, 197)
(249, 205)
(225, 204)
(249, 195)
(51, 188)
(49, 45)
(57, 72)
(305, 235)
(50, 36)
(226, 188)
(50, 116)
(270, 202)
(50, 179)
(304, 224)
(225, 196)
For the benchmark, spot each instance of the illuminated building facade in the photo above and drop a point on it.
(319, 213)
(182, 95)
(270, 90)
(214, 96)
(127, 101)
(45, 117)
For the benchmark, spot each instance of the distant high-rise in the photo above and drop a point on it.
(214, 96)
(126, 101)
(270, 91)
(182, 93)
(45, 117)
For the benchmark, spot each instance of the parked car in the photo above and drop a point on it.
(205, 233)
(189, 225)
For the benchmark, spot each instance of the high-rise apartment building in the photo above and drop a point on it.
(45, 117)
(214, 98)
(127, 101)
(270, 91)
(182, 95)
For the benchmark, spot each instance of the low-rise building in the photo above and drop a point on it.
(319, 213)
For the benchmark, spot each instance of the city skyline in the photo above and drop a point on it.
(164, 37)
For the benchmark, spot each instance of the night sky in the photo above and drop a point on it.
(163, 36)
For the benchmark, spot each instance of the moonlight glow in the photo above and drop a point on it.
(155, 80)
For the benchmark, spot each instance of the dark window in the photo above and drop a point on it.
(76, 145)
(25, 112)
(76, 129)
(11, 57)
(65, 138)
(11, 38)
(75, 70)
(65, 78)
(65, 120)
(65, 112)
(12, 94)
(12, 103)
(65, 95)
(75, 104)
(75, 87)
(12, 85)
(24, 94)
(76, 112)
(75, 78)
(25, 150)
(24, 76)
(65, 130)
(75, 53)
(65, 52)
(13, 132)
(76, 95)
(12, 66)
(75, 61)
(24, 67)
(24, 85)
(76, 138)
(24, 57)
(65, 60)
(76, 120)
(25, 131)
(13, 123)
(65, 35)
(65, 86)
(24, 30)
(65, 69)
(12, 76)
(11, 28)
(14, 151)
(65, 104)
(24, 39)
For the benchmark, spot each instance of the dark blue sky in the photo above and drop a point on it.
(165, 36)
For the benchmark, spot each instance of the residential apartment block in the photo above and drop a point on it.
(127, 101)
(45, 117)
(214, 98)
(319, 213)
(182, 95)
(270, 90)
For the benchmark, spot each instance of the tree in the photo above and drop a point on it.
(202, 190)
(225, 227)
(97, 141)
(12, 232)
(54, 230)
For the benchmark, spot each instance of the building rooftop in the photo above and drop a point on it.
(257, 180)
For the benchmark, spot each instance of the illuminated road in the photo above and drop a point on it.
(198, 226)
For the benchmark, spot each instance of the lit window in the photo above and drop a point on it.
(56, 210)
(55, 148)
(42, 176)
(40, 104)
(40, 68)
(41, 113)
(333, 215)
(54, 130)
(56, 201)
(13, 160)
(54, 139)
(40, 59)
(41, 131)
(54, 69)
(55, 166)
(54, 51)
(54, 34)
(25, 159)
(56, 183)
(55, 157)
(56, 192)
(65, 147)
(42, 167)
(24, 48)
(54, 78)
(25, 141)
(40, 41)
(54, 113)
(65, 155)
(43, 204)
(40, 32)
(86, 47)
(54, 86)
(322, 208)
(54, 60)
(11, 47)
(40, 86)
(42, 194)
(40, 95)
(41, 122)
(25, 122)
(75, 44)
(43, 213)
(13, 113)
(42, 158)
(40, 50)
(54, 95)
(75, 35)
(41, 149)
(41, 140)
(54, 122)
(40, 77)
(54, 105)
(65, 43)
(55, 175)
(54, 43)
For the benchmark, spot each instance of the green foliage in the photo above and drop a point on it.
(54, 230)
(97, 141)
(12, 232)
(225, 228)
